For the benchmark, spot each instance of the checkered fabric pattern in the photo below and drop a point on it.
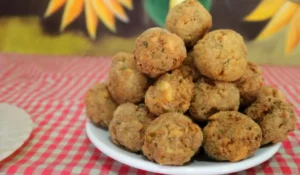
(51, 90)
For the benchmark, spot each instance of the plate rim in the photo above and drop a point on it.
(156, 168)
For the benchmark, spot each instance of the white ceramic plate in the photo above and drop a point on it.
(15, 128)
(100, 138)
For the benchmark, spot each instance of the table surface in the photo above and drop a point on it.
(51, 89)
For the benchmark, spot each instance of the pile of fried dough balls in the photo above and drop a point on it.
(180, 77)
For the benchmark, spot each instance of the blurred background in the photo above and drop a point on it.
(271, 28)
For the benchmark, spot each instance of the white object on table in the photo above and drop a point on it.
(15, 128)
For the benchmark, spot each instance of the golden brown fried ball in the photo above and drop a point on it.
(211, 97)
(172, 92)
(125, 82)
(221, 55)
(99, 105)
(189, 20)
(262, 106)
(231, 136)
(172, 139)
(268, 91)
(276, 125)
(275, 117)
(158, 51)
(129, 124)
(250, 84)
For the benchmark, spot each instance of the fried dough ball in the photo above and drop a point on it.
(277, 125)
(275, 117)
(172, 92)
(268, 91)
(250, 84)
(129, 124)
(261, 107)
(221, 55)
(158, 51)
(125, 82)
(189, 20)
(172, 139)
(99, 105)
(232, 136)
(211, 97)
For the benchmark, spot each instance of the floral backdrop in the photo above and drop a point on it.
(271, 28)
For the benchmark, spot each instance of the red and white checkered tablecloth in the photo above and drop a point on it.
(51, 90)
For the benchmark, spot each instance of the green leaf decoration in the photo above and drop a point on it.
(158, 9)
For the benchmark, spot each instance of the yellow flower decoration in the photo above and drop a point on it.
(282, 13)
(105, 10)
